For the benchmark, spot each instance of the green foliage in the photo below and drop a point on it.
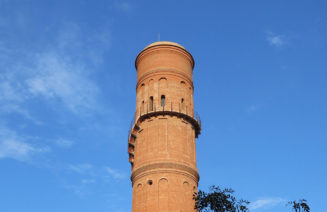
(300, 206)
(218, 200)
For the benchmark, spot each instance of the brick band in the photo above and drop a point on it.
(171, 167)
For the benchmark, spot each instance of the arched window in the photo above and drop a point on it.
(151, 103)
(163, 100)
(142, 107)
(182, 103)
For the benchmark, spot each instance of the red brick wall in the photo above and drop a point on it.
(164, 173)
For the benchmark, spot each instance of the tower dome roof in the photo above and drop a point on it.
(158, 43)
(164, 44)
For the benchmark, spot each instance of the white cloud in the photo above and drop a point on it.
(265, 203)
(53, 78)
(16, 108)
(14, 147)
(123, 6)
(58, 79)
(64, 143)
(88, 181)
(84, 168)
(103, 174)
(89, 169)
(275, 40)
(252, 108)
(90, 175)
(8, 92)
(115, 174)
(79, 190)
(12, 95)
(60, 75)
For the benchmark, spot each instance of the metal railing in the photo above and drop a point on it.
(172, 108)
(151, 110)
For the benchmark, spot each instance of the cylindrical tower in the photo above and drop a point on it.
(161, 143)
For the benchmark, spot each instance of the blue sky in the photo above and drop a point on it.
(67, 96)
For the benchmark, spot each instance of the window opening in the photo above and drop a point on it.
(142, 107)
(182, 103)
(151, 103)
(163, 101)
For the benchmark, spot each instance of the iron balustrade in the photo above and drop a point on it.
(179, 111)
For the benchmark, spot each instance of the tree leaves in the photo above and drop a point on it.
(218, 200)
(300, 206)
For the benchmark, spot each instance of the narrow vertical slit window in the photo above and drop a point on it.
(151, 103)
(163, 100)
(142, 107)
(182, 103)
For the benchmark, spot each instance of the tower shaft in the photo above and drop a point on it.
(162, 139)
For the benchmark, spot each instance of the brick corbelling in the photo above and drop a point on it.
(163, 172)
(165, 72)
(165, 168)
(164, 47)
(194, 122)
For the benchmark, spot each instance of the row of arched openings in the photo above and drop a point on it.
(162, 102)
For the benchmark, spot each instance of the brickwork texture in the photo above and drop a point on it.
(161, 143)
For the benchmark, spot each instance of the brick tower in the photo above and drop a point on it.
(161, 141)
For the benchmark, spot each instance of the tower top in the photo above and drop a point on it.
(165, 45)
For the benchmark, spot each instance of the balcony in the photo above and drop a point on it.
(149, 111)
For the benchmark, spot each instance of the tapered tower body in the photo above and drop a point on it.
(161, 143)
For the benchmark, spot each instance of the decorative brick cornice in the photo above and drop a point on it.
(165, 167)
(194, 121)
(164, 46)
(166, 71)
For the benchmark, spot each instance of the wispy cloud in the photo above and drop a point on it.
(265, 203)
(275, 40)
(52, 80)
(104, 172)
(80, 190)
(9, 91)
(56, 78)
(64, 143)
(15, 147)
(84, 168)
(60, 75)
(123, 6)
(252, 108)
(115, 174)
(90, 175)
(88, 181)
